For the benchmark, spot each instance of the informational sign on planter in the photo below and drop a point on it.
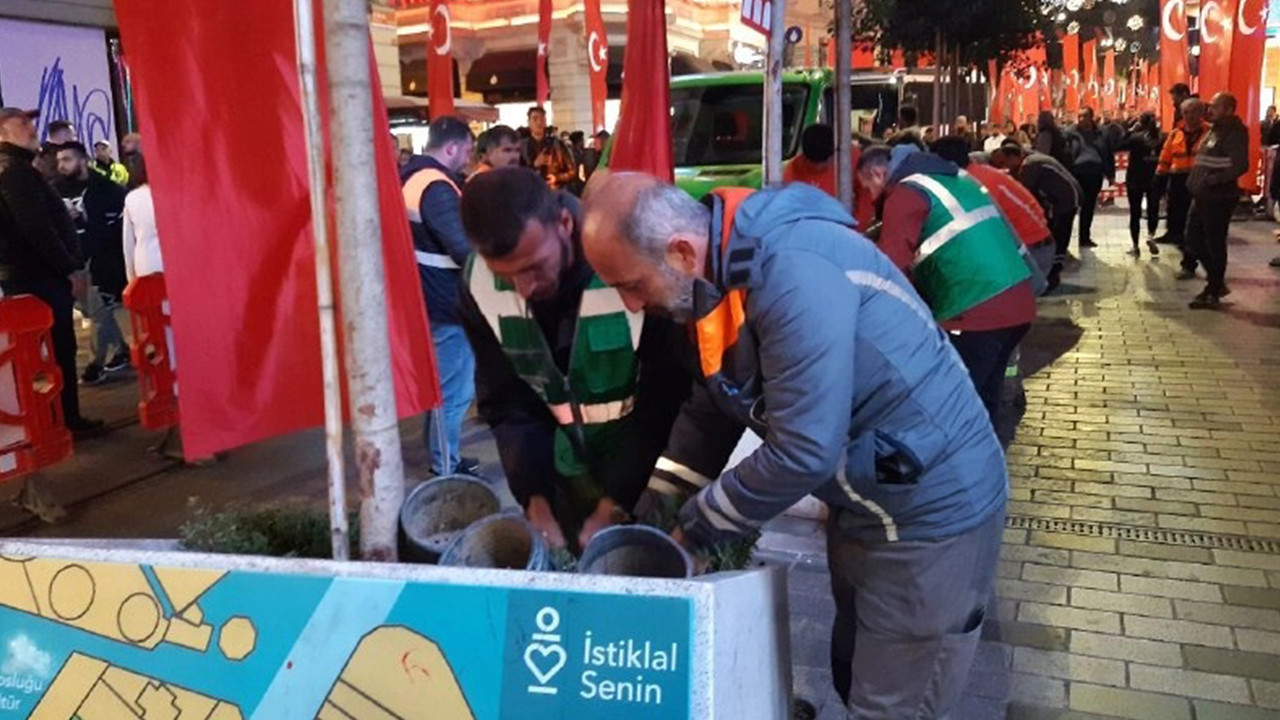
(116, 640)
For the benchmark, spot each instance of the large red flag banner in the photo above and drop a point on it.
(240, 261)
(1089, 80)
(1110, 93)
(1071, 72)
(440, 59)
(1216, 19)
(544, 42)
(1173, 55)
(598, 57)
(1247, 49)
(643, 140)
(995, 104)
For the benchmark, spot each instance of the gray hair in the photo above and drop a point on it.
(661, 212)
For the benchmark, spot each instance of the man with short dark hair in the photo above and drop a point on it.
(106, 165)
(39, 253)
(1180, 92)
(1222, 159)
(499, 147)
(579, 392)
(1093, 160)
(432, 184)
(591, 157)
(96, 205)
(546, 154)
(1057, 190)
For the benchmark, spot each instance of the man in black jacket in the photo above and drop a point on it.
(432, 184)
(38, 248)
(1093, 160)
(1222, 159)
(580, 394)
(96, 205)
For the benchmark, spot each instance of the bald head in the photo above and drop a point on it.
(1193, 110)
(648, 239)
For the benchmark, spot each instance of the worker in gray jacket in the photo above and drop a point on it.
(1222, 159)
(808, 335)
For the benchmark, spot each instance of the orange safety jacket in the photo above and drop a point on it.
(718, 331)
(1178, 155)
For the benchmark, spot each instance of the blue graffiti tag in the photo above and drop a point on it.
(90, 114)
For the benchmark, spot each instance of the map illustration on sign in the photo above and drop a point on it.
(83, 640)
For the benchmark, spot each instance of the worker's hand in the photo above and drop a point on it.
(607, 514)
(700, 560)
(544, 522)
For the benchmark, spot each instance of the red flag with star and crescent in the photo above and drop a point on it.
(1247, 49)
(440, 60)
(598, 57)
(1173, 55)
(1216, 36)
(544, 40)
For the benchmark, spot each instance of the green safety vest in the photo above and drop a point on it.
(593, 400)
(968, 253)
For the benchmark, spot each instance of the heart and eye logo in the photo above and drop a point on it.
(544, 661)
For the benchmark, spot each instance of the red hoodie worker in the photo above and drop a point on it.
(814, 166)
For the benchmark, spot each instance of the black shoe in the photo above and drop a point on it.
(1053, 280)
(1134, 251)
(1205, 301)
(1088, 244)
(1186, 274)
(81, 427)
(118, 362)
(1163, 239)
(92, 374)
(1275, 262)
(467, 466)
(1153, 248)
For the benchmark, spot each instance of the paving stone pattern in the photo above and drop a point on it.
(1139, 413)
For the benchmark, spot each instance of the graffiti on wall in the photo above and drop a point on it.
(89, 110)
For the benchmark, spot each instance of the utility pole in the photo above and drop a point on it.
(305, 29)
(773, 95)
(844, 102)
(370, 385)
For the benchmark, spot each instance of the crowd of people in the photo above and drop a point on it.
(76, 227)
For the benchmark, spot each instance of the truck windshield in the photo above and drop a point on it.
(724, 124)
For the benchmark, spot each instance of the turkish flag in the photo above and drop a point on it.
(598, 58)
(1071, 72)
(1152, 99)
(1089, 96)
(1110, 92)
(233, 208)
(643, 140)
(440, 60)
(1173, 55)
(1247, 49)
(1216, 19)
(995, 104)
(544, 42)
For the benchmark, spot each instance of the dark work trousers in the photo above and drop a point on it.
(1178, 205)
(1062, 225)
(1207, 226)
(56, 293)
(986, 353)
(1090, 179)
(908, 616)
(1138, 197)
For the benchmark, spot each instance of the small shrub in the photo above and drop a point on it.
(277, 531)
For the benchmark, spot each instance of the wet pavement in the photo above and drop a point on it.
(1140, 576)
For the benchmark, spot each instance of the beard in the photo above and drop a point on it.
(678, 290)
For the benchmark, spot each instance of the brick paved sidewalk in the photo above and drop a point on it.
(1140, 576)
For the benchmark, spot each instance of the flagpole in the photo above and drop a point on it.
(844, 102)
(304, 24)
(773, 95)
(367, 346)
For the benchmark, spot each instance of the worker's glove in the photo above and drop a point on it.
(658, 508)
(699, 532)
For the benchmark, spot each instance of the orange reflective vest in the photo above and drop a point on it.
(718, 330)
(1178, 154)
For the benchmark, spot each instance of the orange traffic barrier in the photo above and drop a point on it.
(152, 351)
(33, 432)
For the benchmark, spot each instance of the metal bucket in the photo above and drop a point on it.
(635, 550)
(505, 541)
(438, 510)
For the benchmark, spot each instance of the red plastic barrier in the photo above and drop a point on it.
(33, 430)
(147, 302)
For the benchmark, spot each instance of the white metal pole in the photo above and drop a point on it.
(844, 102)
(304, 22)
(773, 95)
(370, 386)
